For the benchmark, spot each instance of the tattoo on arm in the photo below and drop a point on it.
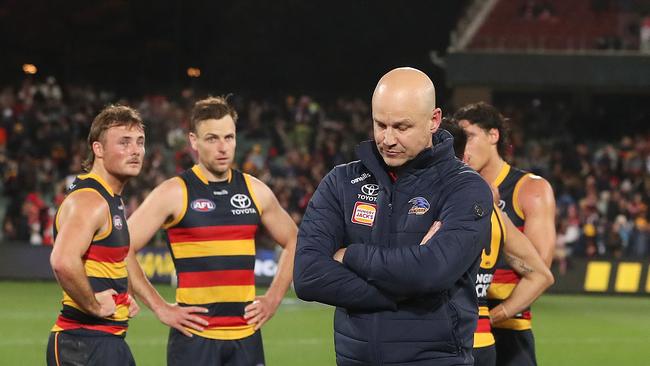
(518, 265)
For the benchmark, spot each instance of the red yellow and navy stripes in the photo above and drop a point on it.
(215, 263)
(104, 264)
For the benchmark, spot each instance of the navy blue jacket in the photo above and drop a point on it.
(398, 303)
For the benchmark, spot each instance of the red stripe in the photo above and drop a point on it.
(224, 321)
(483, 326)
(121, 299)
(216, 278)
(526, 315)
(521, 228)
(204, 233)
(102, 253)
(505, 276)
(66, 324)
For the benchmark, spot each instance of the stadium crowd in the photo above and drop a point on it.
(602, 188)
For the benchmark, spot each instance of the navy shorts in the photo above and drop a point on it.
(485, 356)
(69, 348)
(515, 347)
(200, 351)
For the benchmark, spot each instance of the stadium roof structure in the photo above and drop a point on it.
(500, 45)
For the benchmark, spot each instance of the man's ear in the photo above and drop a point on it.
(98, 149)
(436, 119)
(493, 136)
(193, 140)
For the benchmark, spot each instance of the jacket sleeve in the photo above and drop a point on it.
(317, 276)
(420, 269)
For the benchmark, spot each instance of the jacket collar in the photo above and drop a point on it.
(442, 149)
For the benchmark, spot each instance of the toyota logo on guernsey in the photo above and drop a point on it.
(369, 192)
(203, 205)
(241, 203)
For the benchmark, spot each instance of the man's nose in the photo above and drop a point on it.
(389, 137)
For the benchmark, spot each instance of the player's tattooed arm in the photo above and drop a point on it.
(518, 265)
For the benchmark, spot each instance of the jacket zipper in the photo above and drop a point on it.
(454, 325)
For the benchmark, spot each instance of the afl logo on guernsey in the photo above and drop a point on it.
(241, 203)
(117, 222)
(203, 205)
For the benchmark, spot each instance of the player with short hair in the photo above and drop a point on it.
(91, 245)
(211, 214)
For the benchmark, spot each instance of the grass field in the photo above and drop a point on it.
(569, 330)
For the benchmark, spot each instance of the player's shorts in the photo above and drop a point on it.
(200, 351)
(515, 347)
(72, 348)
(485, 356)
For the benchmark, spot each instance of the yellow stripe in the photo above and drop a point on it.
(483, 340)
(229, 333)
(247, 179)
(505, 169)
(105, 269)
(99, 180)
(597, 277)
(647, 282)
(178, 219)
(514, 324)
(483, 311)
(56, 328)
(498, 236)
(628, 277)
(67, 300)
(199, 174)
(515, 198)
(209, 295)
(500, 291)
(213, 248)
(121, 313)
(56, 349)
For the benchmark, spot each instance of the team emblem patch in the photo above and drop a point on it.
(202, 205)
(364, 213)
(420, 206)
(478, 210)
(117, 222)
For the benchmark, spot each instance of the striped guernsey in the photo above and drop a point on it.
(505, 278)
(483, 336)
(105, 265)
(213, 246)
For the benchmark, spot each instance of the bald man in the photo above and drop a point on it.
(398, 303)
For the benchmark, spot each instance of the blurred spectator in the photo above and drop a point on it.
(602, 189)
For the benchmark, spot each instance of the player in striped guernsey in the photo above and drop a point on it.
(212, 213)
(91, 244)
(528, 201)
(509, 243)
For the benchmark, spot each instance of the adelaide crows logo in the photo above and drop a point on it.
(420, 206)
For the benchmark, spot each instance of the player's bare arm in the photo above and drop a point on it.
(82, 215)
(538, 205)
(163, 205)
(283, 231)
(536, 277)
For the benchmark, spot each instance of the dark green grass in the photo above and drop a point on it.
(569, 330)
